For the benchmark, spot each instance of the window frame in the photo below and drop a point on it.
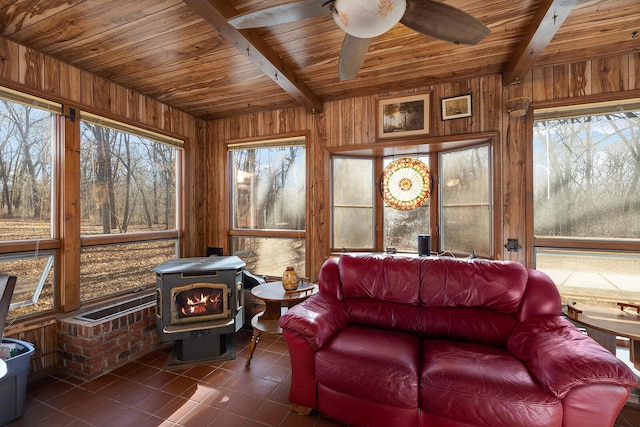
(491, 205)
(97, 240)
(333, 206)
(430, 147)
(589, 106)
(22, 249)
(269, 141)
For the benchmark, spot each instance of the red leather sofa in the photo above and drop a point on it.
(407, 341)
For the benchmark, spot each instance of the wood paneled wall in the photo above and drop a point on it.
(351, 122)
(344, 123)
(35, 73)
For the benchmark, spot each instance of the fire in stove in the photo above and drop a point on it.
(199, 304)
(204, 301)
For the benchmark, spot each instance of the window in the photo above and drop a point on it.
(353, 203)
(401, 228)
(128, 201)
(26, 150)
(586, 182)
(34, 292)
(465, 189)
(459, 214)
(28, 245)
(269, 205)
(128, 194)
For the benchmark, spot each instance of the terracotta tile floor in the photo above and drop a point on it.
(147, 393)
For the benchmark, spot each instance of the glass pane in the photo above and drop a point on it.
(352, 182)
(353, 228)
(586, 172)
(110, 269)
(353, 198)
(466, 230)
(269, 188)
(128, 183)
(401, 228)
(34, 290)
(26, 135)
(270, 256)
(466, 201)
(592, 277)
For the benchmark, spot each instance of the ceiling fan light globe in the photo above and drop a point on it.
(366, 19)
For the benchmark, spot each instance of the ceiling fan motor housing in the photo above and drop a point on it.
(368, 18)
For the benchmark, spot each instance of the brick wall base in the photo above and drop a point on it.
(89, 349)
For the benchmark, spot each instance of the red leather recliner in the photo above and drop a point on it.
(407, 341)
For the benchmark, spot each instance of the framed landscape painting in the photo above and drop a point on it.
(456, 107)
(404, 116)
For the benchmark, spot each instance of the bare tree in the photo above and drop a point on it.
(132, 179)
(590, 173)
(25, 159)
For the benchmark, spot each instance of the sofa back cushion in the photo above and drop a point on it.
(453, 282)
(385, 278)
(465, 299)
(466, 324)
(381, 291)
(470, 300)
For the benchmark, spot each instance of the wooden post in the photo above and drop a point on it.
(70, 211)
(514, 177)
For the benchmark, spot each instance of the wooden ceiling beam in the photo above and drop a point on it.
(217, 12)
(544, 25)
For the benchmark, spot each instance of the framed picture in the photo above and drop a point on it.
(456, 107)
(405, 116)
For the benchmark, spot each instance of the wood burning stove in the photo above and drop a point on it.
(200, 305)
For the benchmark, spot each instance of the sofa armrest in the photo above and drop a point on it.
(317, 319)
(561, 357)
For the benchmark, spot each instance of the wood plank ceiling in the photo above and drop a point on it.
(184, 54)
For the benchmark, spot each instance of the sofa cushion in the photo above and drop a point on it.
(381, 365)
(383, 314)
(483, 386)
(477, 325)
(494, 285)
(380, 277)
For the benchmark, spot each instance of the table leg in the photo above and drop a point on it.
(605, 339)
(634, 352)
(264, 322)
(252, 347)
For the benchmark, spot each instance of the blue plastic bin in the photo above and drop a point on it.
(13, 386)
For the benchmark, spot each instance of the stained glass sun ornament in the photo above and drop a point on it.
(406, 184)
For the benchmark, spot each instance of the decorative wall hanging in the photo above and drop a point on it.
(456, 107)
(406, 116)
(406, 184)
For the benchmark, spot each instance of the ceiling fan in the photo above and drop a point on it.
(365, 19)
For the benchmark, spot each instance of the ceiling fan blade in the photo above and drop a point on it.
(444, 22)
(352, 55)
(280, 14)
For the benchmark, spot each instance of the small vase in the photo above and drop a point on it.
(290, 279)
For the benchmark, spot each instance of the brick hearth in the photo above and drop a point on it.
(89, 349)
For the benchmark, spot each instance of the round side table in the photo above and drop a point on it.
(604, 324)
(277, 301)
